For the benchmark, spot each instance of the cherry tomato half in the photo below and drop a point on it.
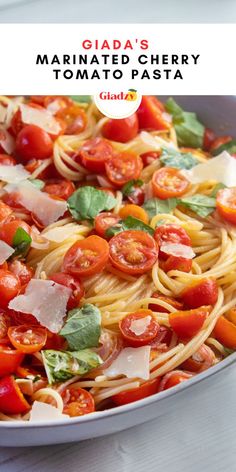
(59, 187)
(203, 292)
(6, 160)
(12, 401)
(219, 142)
(139, 328)
(171, 301)
(33, 142)
(77, 401)
(8, 230)
(5, 211)
(201, 360)
(145, 390)
(86, 257)
(9, 287)
(10, 359)
(74, 284)
(225, 332)
(27, 339)
(187, 323)
(226, 204)
(21, 270)
(149, 157)
(5, 322)
(177, 263)
(123, 167)
(104, 221)
(94, 153)
(170, 234)
(208, 139)
(133, 252)
(174, 378)
(121, 130)
(168, 182)
(135, 211)
(74, 117)
(150, 114)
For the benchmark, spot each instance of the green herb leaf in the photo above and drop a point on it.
(216, 189)
(199, 204)
(178, 160)
(230, 147)
(128, 188)
(129, 223)
(81, 98)
(62, 365)
(83, 327)
(154, 206)
(189, 130)
(87, 202)
(21, 242)
(39, 184)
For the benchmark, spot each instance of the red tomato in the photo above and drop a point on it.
(133, 252)
(74, 284)
(173, 378)
(104, 221)
(225, 332)
(170, 234)
(135, 211)
(27, 339)
(8, 230)
(168, 182)
(136, 195)
(10, 359)
(188, 323)
(121, 130)
(171, 301)
(129, 333)
(219, 141)
(86, 257)
(60, 102)
(150, 114)
(5, 211)
(39, 99)
(177, 263)
(12, 401)
(226, 204)
(149, 157)
(203, 292)
(77, 401)
(49, 173)
(201, 360)
(5, 322)
(145, 390)
(21, 270)
(54, 341)
(94, 153)
(123, 167)
(208, 139)
(33, 142)
(22, 318)
(9, 287)
(162, 340)
(59, 187)
(6, 160)
(74, 117)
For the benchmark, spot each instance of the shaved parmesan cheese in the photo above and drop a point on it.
(132, 362)
(13, 174)
(46, 208)
(43, 411)
(178, 250)
(46, 300)
(139, 326)
(221, 168)
(5, 251)
(42, 118)
(59, 234)
(7, 142)
(155, 143)
(54, 106)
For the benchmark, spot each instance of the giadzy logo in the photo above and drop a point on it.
(118, 104)
(131, 95)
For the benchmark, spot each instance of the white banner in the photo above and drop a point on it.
(69, 59)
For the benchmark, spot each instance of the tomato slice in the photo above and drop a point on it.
(12, 401)
(150, 114)
(174, 378)
(33, 142)
(208, 139)
(201, 360)
(27, 339)
(139, 328)
(226, 204)
(177, 263)
(6, 160)
(77, 401)
(145, 390)
(171, 301)
(170, 234)
(21, 270)
(149, 157)
(104, 221)
(225, 332)
(135, 211)
(8, 230)
(60, 188)
(133, 252)
(5, 211)
(94, 153)
(86, 257)
(203, 292)
(9, 287)
(168, 182)
(121, 130)
(10, 359)
(74, 284)
(187, 323)
(123, 167)
(74, 117)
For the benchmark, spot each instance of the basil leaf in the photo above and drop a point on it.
(39, 184)
(87, 202)
(81, 98)
(216, 189)
(230, 147)
(21, 242)
(190, 132)
(129, 223)
(62, 365)
(154, 206)
(83, 327)
(178, 160)
(199, 204)
(128, 188)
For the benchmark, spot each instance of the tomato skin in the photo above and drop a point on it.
(219, 141)
(121, 130)
(54, 341)
(27, 339)
(137, 196)
(74, 117)
(173, 378)
(5, 211)
(10, 359)
(187, 323)
(33, 142)
(149, 157)
(231, 315)
(133, 252)
(60, 188)
(171, 234)
(8, 230)
(74, 284)
(204, 292)
(12, 401)
(208, 139)
(225, 332)
(77, 402)
(135, 211)
(150, 114)
(5, 322)
(19, 318)
(9, 287)
(201, 360)
(86, 257)
(177, 263)
(133, 339)
(6, 160)
(94, 153)
(123, 167)
(171, 301)
(168, 182)
(226, 204)
(104, 221)
(144, 390)
(21, 270)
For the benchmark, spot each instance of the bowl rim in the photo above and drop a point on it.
(120, 410)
